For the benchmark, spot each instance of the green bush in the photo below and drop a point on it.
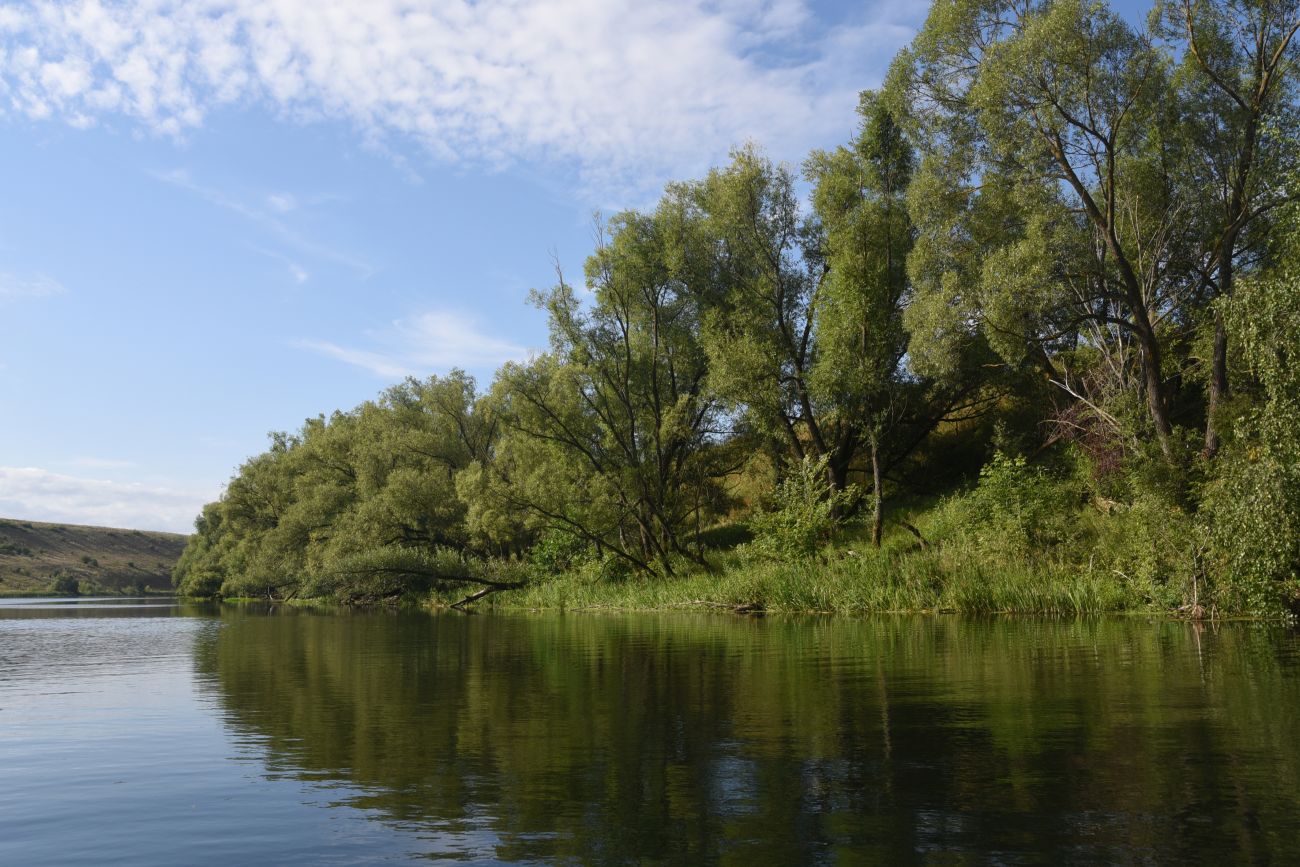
(1017, 510)
(1252, 509)
(389, 573)
(559, 551)
(1153, 546)
(607, 568)
(1252, 514)
(66, 585)
(803, 513)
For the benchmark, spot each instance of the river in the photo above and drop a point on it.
(156, 732)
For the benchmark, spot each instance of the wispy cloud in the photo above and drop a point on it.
(432, 342)
(297, 272)
(626, 90)
(29, 286)
(282, 202)
(40, 495)
(271, 223)
(381, 364)
(92, 463)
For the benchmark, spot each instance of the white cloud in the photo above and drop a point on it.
(626, 90)
(11, 19)
(432, 342)
(30, 286)
(40, 495)
(388, 366)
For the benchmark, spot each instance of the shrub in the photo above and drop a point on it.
(1252, 510)
(66, 585)
(1018, 509)
(1153, 545)
(1252, 514)
(390, 573)
(803, 513)
(558, 551)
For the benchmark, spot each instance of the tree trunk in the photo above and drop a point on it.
(878, 514)
(1155, 389)
(1219, 360)
(837, 473)
(837, 476)
(1218, 385)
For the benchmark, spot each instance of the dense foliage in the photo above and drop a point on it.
(1038, 317)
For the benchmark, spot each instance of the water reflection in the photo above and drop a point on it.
(710, 739)
(59, 608)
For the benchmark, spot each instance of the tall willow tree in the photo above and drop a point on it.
(1237, 94)
(759, 323)
(608, 436)
(1089, 186)
(859, 202)
(1042, 126)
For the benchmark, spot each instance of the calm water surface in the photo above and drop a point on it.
(147, 732)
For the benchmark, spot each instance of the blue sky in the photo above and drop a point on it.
(221, 217)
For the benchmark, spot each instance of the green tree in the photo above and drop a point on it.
(609, 434)
(760, 325)
(1045, 220)
(67, 585)
(859, 202)
(361, 495)
(1253, 508)
(1237, 89)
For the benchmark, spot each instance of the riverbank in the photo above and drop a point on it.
(1041, 551)
(927, 563)
(123, 593)
(848, 586)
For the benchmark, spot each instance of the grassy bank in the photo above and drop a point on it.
(854, 585)
(1022, 541)
(849, 577)
(936, 556)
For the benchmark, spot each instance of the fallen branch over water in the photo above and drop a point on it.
(492, 587)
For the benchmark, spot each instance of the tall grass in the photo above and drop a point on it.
(1013, 545)
(844, 582)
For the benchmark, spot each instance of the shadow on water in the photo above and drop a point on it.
(699, 739)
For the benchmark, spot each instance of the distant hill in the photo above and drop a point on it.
(34, 556)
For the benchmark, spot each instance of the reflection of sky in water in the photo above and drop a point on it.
(111, 752)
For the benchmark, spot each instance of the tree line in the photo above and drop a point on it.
(1056, 239)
